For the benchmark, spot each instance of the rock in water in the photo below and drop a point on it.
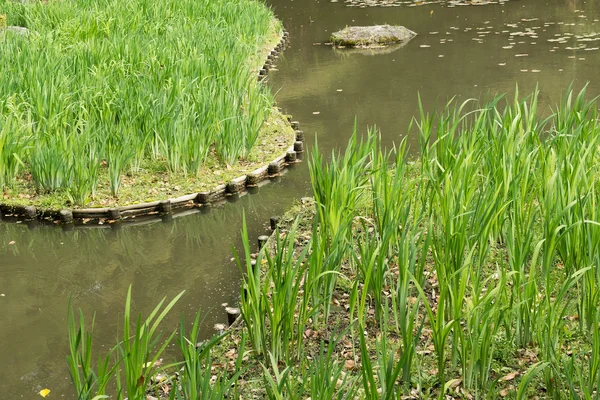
(372, 36)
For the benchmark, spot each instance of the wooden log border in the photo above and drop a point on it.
(236, 187)
(235, 321)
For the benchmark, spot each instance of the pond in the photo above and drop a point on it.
(462, 51)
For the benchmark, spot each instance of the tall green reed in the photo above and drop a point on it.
(135, 355)
(273, 302)
(338, 192)
(117, 68)
(140, 348)
(196, 378)
(89, 382)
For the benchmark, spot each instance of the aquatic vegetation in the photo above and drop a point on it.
(470, 272)
(104, 89)
(136, 355)
(487, 240)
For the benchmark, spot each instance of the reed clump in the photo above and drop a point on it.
(101, 94)
(469, 272)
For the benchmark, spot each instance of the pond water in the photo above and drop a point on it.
(463, 51)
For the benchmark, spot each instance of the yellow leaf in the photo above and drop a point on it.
(44, 392)
(510, 376)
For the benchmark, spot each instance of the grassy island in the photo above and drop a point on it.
(112, 102)
(469, 272)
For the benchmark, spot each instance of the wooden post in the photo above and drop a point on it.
(232, 314)
(299, 146)
(262, 240)
(274, 222)
(66, 216)
(202, 198)
(291, 156)
(273, 168)
(295, 125)
(165, 207)
(299, 135)
(30, 212)
(114, 214)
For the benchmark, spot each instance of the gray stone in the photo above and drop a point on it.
(17, 30)
(372, 36)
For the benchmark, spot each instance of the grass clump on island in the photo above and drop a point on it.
(471, 272)
(105, 102)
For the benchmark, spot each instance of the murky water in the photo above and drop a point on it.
(462, 51)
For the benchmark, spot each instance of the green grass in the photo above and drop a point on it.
(470, 272)
(154, 182)
(486, 243)
(130, 88)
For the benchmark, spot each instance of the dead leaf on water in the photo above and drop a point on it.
(44, 392)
